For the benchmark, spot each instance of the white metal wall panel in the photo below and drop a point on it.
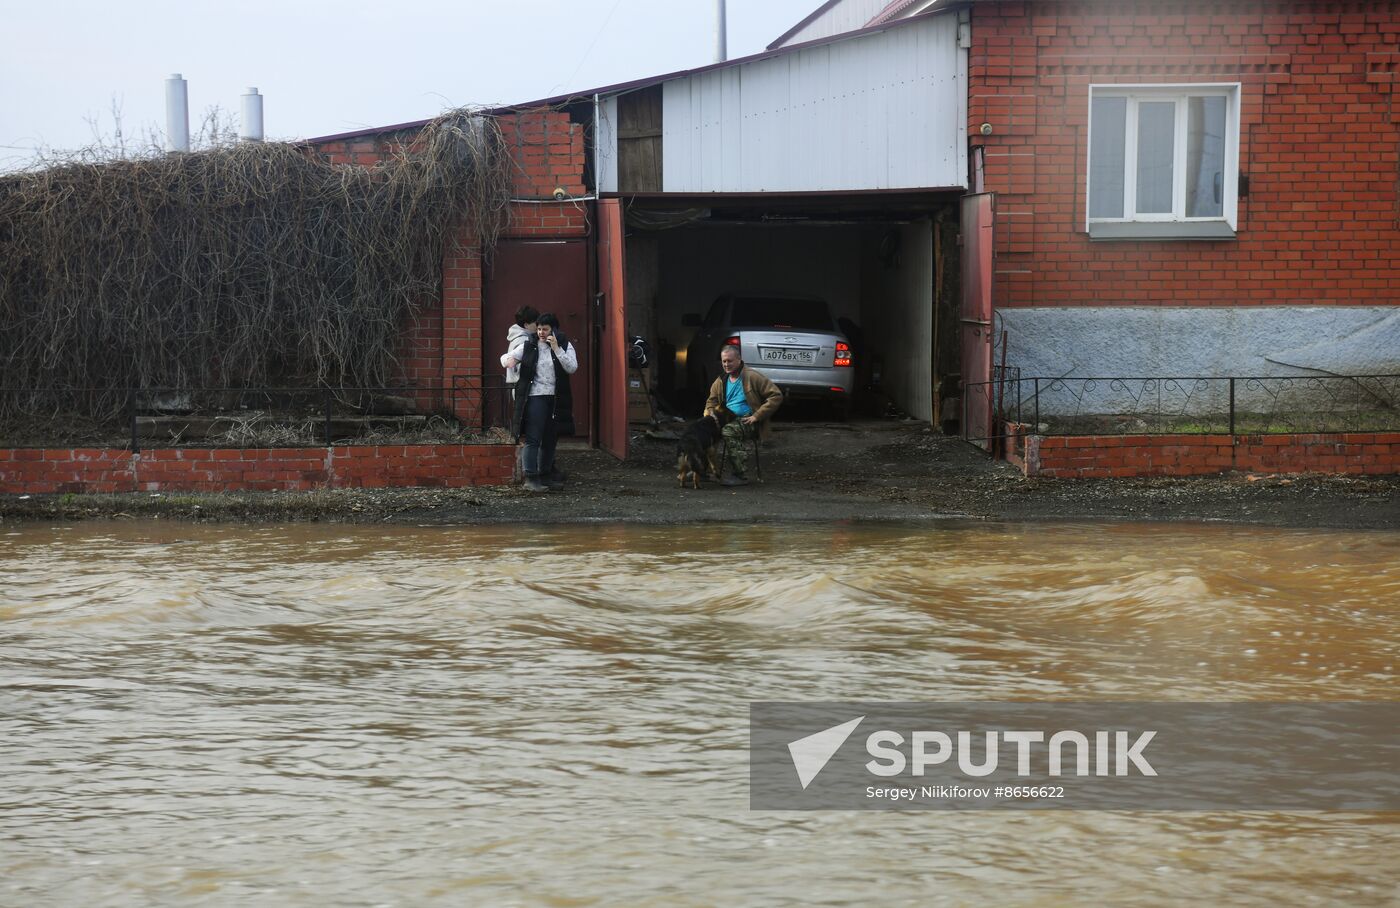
(605, 144)
(843, 17)
(732, 151)
(880, 111)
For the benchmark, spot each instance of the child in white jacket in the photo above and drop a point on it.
(516, 336)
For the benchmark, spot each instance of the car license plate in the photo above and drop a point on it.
(791, 356)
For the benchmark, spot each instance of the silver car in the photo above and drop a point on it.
(791, 339)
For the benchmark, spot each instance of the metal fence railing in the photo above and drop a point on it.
(468, 409)
(1250, 405)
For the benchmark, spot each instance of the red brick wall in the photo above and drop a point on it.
(36, 470)
(366, 151)
(548, 152)
(548, 219)
(39, 471)
(1320, 141)
(421, 465)
(1186, 455)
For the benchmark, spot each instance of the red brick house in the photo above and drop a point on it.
(1236, 160)
(1196, 189)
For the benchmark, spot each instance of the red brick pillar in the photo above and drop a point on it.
(461, 325)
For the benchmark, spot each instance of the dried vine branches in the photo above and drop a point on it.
(246, 265)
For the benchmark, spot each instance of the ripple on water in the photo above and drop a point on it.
(312, 715)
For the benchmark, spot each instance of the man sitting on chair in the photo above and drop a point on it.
(754, 399)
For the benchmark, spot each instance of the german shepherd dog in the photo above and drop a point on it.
(695, 452)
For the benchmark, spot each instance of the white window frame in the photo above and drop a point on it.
(1174, 225)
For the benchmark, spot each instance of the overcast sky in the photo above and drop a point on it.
(330, 66)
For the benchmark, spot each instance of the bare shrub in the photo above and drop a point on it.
(242, 265)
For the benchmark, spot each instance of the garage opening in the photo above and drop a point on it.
(761, 273)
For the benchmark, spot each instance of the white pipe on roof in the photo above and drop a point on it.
(177, 114)
(252, 130)
(721, 33)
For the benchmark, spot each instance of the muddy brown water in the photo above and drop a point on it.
(311, 715)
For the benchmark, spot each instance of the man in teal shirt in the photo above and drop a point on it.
(752, 397)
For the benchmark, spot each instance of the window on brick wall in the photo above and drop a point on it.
(1163, 161)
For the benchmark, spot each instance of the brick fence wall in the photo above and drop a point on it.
(49, 470)
(1319, 140)
(1088, 457)
(443, 341)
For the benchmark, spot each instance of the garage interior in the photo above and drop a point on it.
(886, 265)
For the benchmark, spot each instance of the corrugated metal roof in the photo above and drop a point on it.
(841, 16)
(813, 16)
(846, 16)
(891, 10)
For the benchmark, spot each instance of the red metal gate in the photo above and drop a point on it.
(975, 317)
(612, 316)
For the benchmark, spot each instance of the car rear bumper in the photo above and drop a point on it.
(812, 382)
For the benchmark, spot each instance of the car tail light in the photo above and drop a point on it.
(841, 390)
(843, 354)
(732, 341)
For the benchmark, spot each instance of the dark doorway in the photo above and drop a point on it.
(552, 276)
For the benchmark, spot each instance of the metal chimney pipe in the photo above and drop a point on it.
(252, 130)
(177, 114)
(721, 33)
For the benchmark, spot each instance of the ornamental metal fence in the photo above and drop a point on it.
(467, 410)
(1239, 405)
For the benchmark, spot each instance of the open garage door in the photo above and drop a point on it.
(975, 317)
(870, 260)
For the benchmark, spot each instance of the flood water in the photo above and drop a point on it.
(318, 715)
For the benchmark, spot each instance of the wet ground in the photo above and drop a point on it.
(812, 471)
